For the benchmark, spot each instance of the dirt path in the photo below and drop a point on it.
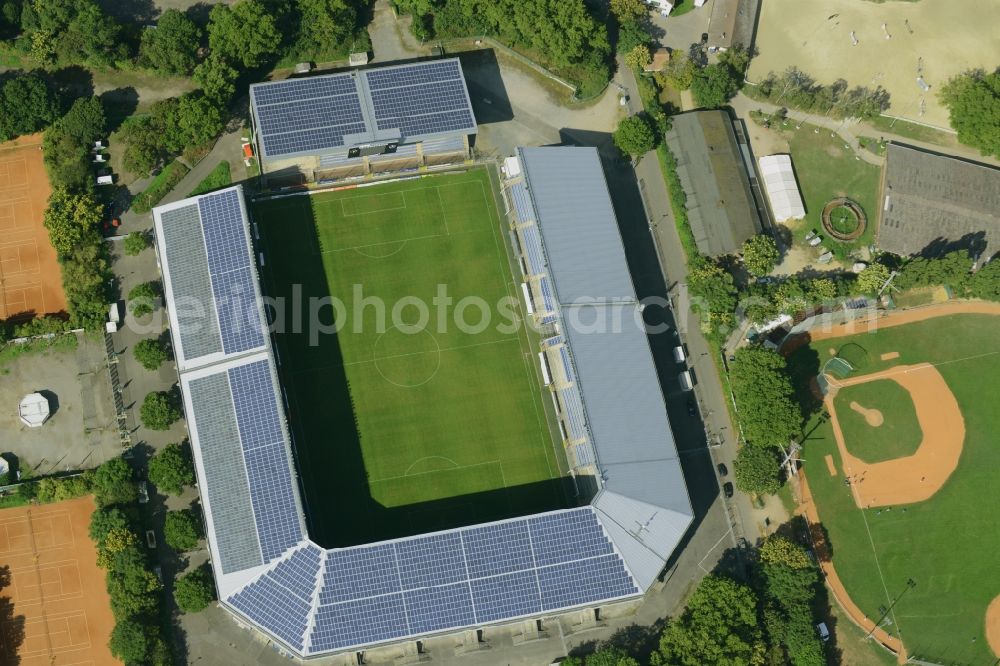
(917, 477)
(885, 319)
(836, 587)
(993, 625)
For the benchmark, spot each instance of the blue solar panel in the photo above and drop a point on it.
(359, 622)
(254, 398)
(533, 250)
(273, 606)
(237, 309)
(584, 454)
(548, 299)
(506, 596)
(317, 139)
(497, 549)
(522, 202)
(441, 97)
(273, 498)
(325, 112)
(431, 560)
(435, 608)
(567, 535)
(225, 231)
(354, 573)
(585, 581)
(429, 72)
(292, 90)
(428, 123)
(298, 573)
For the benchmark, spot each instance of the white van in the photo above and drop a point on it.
(679, 355)
(685, 380)
(823, 631)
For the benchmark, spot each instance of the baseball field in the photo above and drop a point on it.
(424, 409)
(902, 471)
(940, 39)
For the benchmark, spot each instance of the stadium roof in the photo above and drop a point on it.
(314, 601)
(644, 502)
(782, 190)
(399, 103)
(935, 203)
(711, 170)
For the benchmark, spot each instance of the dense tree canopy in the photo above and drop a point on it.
(171, 469)
(757, 469)
(788, 579)
(66, 146)
(27, 104)
(765, 397)
(952, 269)
(150, 353)
(718, 626)
(217, 79)
(71, 220)
(760, 254)
(634, 136)
(246, 33)
(712, 293)
(71, 32)
(128, 642)
(112, 483)
(194, 591)
(323, 24)
(973, 101)
(86, 275)
(172, 46)
(159, 410)
(714, 85)
(872, 279)
(182, 530)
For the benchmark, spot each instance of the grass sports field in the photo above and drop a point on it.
(403, 426)
(948, 545)
(879, 420)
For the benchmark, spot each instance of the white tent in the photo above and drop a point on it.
(33, 410)
(782, 191)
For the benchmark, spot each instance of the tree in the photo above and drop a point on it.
(143, 141)
(171, 469)
(27, 104)
(789, 579)
(714, 293)
(128, 641)
(820, 289)
(86, 278)
(199, 120)
(103, 522)
(713, 86)
(171, 47)
(324, 25)
(217, 79)
(182, 530)
(765, 397)
(757, 469)
(985, 283)
(142, 298)
(638, 57)
(85, 120)
(634, 136)
(871, 280)
(973, 101)
(630, 35)
(71, 220)
(680, 71)
(136, 242)
(245, 34)
(150, 353)
(760, 255)
(718, 626)
(193, 592)
(112, 483)
(611, 656)
(66, 146)
(952, 269)
(628, 10)
(159, 410)
(782, 550)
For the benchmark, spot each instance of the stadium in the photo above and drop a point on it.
(315, 538)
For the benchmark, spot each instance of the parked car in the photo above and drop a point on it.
(723, 470)
(727, 488)
(150, 539)
(143, 492)
(692, 408)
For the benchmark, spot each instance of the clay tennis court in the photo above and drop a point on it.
(56, 606)
(30, 280)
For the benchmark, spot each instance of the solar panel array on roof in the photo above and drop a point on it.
(464, 577)
(325, 113)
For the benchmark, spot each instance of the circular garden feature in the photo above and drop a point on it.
(844, 219)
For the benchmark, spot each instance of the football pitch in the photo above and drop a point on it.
(403, 420)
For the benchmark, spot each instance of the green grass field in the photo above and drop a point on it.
(950, 544)
(403, 426)
(898, 436)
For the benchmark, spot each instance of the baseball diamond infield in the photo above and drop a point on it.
(30, 278)
(913, 548)
(55, 606)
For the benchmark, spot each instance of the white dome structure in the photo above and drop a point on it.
(33, 410)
